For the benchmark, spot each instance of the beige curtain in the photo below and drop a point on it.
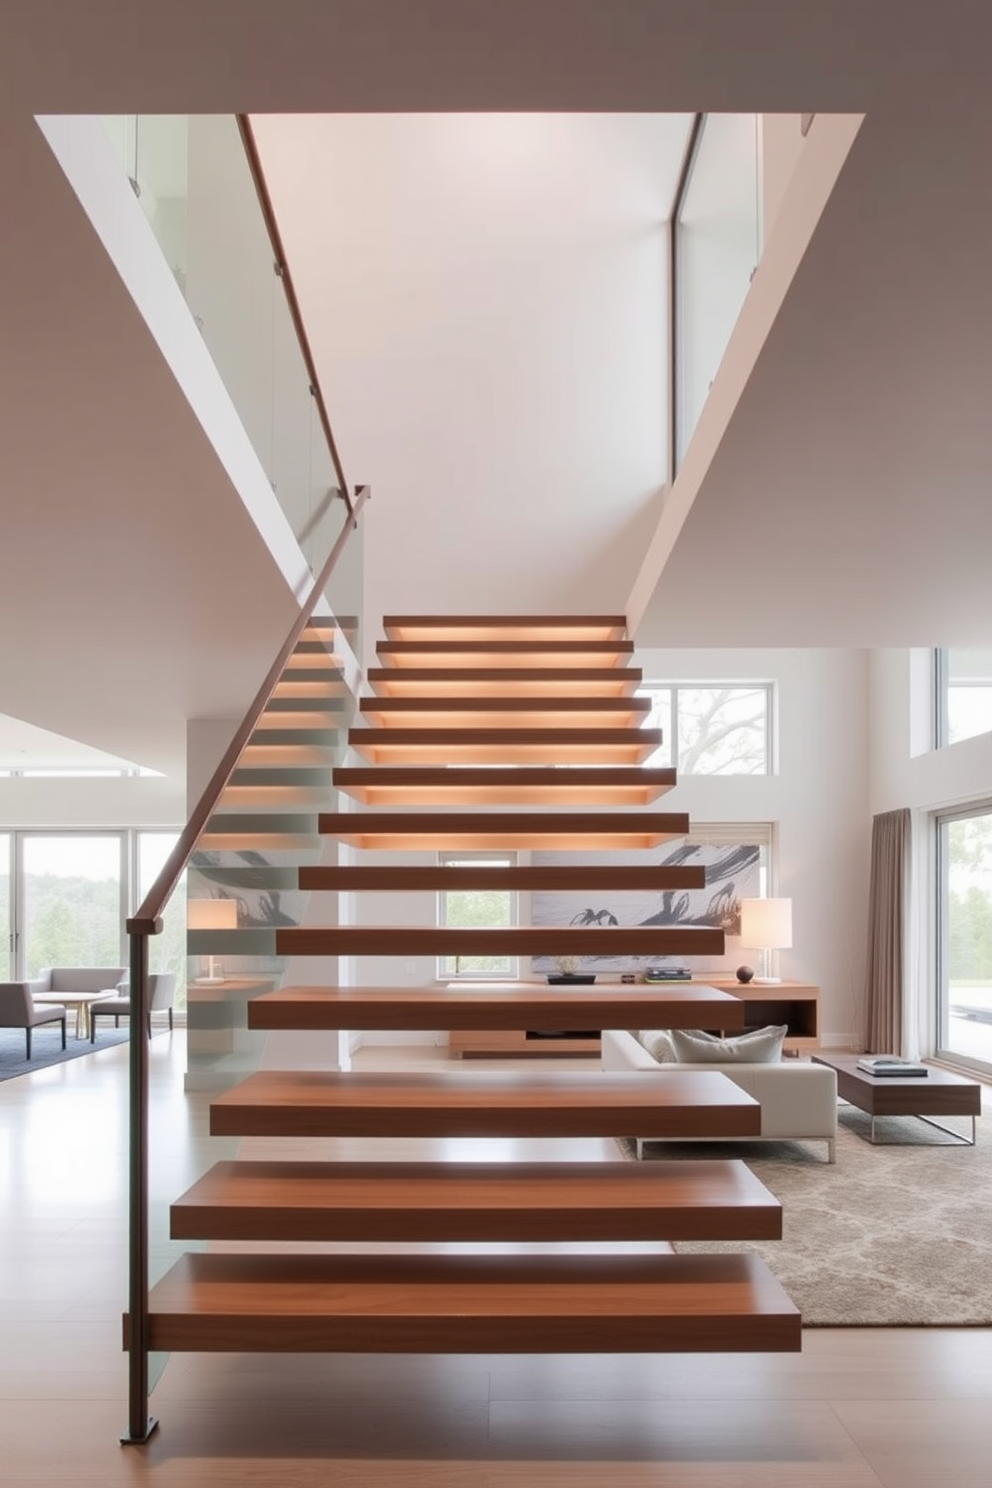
(888, 901)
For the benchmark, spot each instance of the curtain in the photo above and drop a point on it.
(888, 900)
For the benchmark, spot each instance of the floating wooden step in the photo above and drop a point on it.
(477, 1201)
(504, 681)
(594, 876)
(305, 687)
(504, 627)
(259, 800)
(472, 1304)
(584, 941)
(259, 757)
(454, 785)
(497, 1005)
(609, 746)
(511, 712)
(504, 653)
(411, 830)
(485, 1103)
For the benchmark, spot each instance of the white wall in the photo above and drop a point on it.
(486, 299)
(127, 801)
(818, 800)
(781, 146)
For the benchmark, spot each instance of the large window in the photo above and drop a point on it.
(964, 979)
(65, 896)
(963, 684)
(71, 908)
(473, 908)
(712, 728)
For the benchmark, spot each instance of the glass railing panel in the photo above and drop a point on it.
(242, 877)
(193, 180)
(718, 245)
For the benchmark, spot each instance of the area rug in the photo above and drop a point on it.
(46, 1048)
(893, 1235)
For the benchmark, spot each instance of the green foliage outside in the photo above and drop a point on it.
(969, 904)
(76, 921)
(470, 908)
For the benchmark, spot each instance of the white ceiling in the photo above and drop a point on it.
(848, 504)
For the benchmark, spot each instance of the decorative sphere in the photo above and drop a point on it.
(745, 973)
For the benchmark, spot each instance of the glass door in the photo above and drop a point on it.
(965, 937)
(71, 903)
(6, 912)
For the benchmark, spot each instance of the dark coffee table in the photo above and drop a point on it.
(937, 1093)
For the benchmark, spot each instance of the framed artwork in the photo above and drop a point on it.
(733, 873)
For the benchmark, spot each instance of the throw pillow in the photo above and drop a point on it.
(757, 1046)
(658, 1042)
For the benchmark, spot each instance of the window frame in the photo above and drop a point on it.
(940, 961)
(470, 857)
(737, 684)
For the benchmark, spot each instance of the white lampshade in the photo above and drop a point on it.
(766, 924)
(211, 914)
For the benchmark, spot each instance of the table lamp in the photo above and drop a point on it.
(211, 914)
(766, 926)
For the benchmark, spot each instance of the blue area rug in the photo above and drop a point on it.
(46, 1047)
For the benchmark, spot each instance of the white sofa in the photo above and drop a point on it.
(798, 1100)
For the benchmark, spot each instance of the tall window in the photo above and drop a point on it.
(473, 908)
(963, 686)
(712, 728)
(964, 941)
(65, 896)
(72, 911)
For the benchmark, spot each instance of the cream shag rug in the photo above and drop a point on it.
(894, 1235)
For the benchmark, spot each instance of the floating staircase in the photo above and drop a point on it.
(469, 714)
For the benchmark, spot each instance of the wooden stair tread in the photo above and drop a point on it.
(477, 1201)
(506, 746)
(554, 653)
(504, 681)
(537, 1007)
(524, 940)
(496, 627)
(472, 1303)
(464, 785)
(478, 829)
(505, 712)
(396, 877)
(485, 1103)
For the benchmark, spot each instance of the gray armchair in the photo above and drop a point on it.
(19, 1010)
(161, 996)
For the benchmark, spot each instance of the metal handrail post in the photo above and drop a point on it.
(140, 1424)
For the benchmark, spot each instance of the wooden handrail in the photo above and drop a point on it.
(148, 919)
(282, 269)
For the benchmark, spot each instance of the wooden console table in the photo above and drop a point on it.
(796, 1004)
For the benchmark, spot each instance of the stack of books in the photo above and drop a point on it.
(889, 1064)
(668, 974)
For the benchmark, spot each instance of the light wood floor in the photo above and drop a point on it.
(858, 1408)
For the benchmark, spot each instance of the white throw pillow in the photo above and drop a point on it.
(658, 1042)
(757, 1046)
